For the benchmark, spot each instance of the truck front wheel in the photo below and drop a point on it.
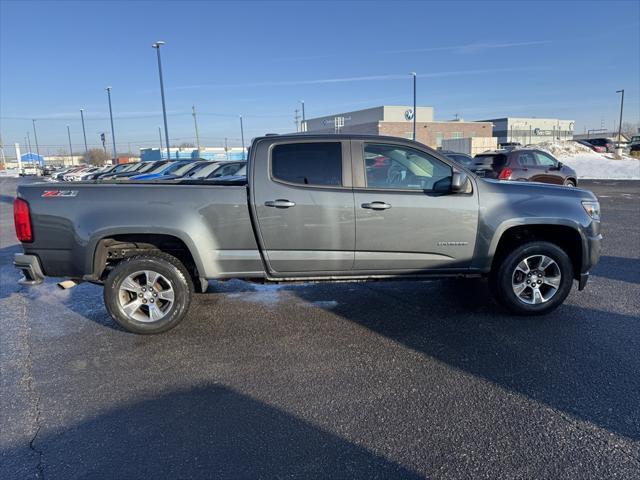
(148, 293)
(533, 279)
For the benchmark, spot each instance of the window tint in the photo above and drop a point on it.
(395, 167)
(308, 163)
(526, 159)
(495, 161)
(545, 160)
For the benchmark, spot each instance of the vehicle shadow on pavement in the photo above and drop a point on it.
(618, 268)
(207, 431)
(563, 359)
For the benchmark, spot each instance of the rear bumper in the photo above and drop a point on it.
(30, 267)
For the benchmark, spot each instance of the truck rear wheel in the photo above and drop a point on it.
(534, 279)
(148, 293)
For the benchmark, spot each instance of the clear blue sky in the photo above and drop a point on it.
(476, 59)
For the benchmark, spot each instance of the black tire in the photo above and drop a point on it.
(173, 276)
(504, 273)
(569, 182)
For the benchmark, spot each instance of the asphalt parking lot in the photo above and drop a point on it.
(423, 379)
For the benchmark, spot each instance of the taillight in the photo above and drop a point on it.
(505, 174)
(22, 220)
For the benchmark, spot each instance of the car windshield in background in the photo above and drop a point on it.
(205, 171)
(189, 167)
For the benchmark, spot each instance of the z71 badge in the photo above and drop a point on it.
(60, 193)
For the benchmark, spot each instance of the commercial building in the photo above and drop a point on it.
(206, 153)
(397, 121)
(531, 130)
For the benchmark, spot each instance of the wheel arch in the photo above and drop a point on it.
(109, 247)
(565, 235)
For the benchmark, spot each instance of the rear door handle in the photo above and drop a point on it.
(376, 206)
(280, 203)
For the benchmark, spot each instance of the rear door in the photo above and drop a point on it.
(303, 203)
(407, 221)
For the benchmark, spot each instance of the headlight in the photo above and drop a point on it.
(592, 209)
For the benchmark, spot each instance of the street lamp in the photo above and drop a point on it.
(620, 124)
(35, 136)
(113, 134)
(70, 148)
(157, 46)
(84, 133)
(415, 114)
(303, 125)
(242, 136)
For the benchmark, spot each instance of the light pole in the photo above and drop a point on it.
(35, 136)
(195, 122)
(84, 133)
(70, 148)
(113, 134)
(160, 135)
(242, 136)
(415, 113)
(621, 107)
(157, 46)
(29, 141)
(303, 125)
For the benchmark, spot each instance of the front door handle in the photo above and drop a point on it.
(376, 206)
(280, 203)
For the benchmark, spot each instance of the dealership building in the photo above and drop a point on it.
(531, 130)
(397, 121)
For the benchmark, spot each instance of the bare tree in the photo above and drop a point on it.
(187, 145)
(95, 156)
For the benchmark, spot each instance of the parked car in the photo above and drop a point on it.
(162, 170)
(595, 148)
(115, 169)
(184, 171)
(524, 165)
(509, 145)
(309, 210)
(216, 169)
(137, 169)
(461, 158)
(606, 143)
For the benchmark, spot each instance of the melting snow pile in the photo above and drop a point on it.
(591, 165)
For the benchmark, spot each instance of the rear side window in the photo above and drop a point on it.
(308, 163)
(527, 159)
(494, 161)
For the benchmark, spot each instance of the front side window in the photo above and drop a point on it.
(309, 163)
(545, 160)
(401, 168)
(526, 159)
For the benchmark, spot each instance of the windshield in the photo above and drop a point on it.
(169, 168)
(152, 167)
(205, 171)
(191, 166)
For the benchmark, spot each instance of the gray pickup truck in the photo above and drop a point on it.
(311, 208)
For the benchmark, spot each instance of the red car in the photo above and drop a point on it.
(525, 165)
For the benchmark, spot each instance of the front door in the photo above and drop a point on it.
(303, 201)
(406, 218)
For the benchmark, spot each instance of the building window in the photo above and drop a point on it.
(439, 137)
(408, 135)
(472, 134)
(456, 134)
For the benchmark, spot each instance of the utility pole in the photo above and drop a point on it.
(35, 136)
(415, 113)
(113, 135)
(84, 133)
(226, 148)
(157, 46)
(29, 141)
(621, 107)
(296, 119)
(70, 148)
(303, 125)
(195, 122)
(160, 135)
(242, 136)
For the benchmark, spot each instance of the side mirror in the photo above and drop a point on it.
(559, 166)
(459, 182)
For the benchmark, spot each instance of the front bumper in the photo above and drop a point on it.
(30, 267)
(590, 259)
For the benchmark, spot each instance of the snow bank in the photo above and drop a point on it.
(595, 166)
(590, 165)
